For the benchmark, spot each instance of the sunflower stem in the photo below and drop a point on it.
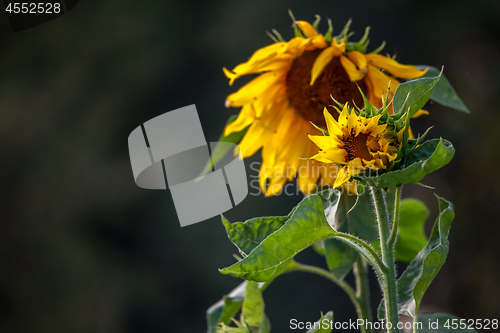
(363, 292)
(389, 282)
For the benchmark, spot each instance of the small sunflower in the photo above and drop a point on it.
(298, 80)
(355, 142)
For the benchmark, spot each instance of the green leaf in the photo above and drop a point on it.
(411, 237)
(306, 225)
(226, 308)
(249, 234)
(436, 322)
(320, 327)
(222, 149)
(444, 93)
(426, 158)
(253, 305)
(413, 95)
(421, 271)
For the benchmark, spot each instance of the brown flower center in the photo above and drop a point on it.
(356, 146)
(309, 101)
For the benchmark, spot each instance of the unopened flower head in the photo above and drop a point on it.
(356, 143)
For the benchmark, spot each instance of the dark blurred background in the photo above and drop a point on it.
(83, 249)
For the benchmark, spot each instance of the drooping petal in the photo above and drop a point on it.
(394, 67)
(359, 60)
(306, 28)
(380, 82)
(254, 89)
(351, 69)
(420, 113)
(322, 60)
(245, 118)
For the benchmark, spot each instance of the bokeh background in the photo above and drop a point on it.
(83, 249)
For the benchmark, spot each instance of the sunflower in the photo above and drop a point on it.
(355, 142)
(297, 80)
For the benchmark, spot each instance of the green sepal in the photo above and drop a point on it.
(412, 95)
(361, 45)
(424, 159)
(328, 35)
(329, 318)
(444, 93)
(415, 280)
(316, 22)
(378, 49)
(296, 29)
(442, 319)
(222, 149)
(344, 33)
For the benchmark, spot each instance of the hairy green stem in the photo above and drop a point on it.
(389, 283)
(363, 292)
(369, 252)
(395, 224)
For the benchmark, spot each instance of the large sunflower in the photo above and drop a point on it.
(299, 79)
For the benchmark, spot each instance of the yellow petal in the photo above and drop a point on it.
(352, 121)
(420, 113)
(244, 119)
(344, 115)
(306, 28)
(335, 155)
(323, 142)
(321, 157)
(317, 42)
(321, 61)
(380, 82)
(351, 69)
(334, 128)
(359, 60)
(254, 89)
(342, 176)
(394, 67)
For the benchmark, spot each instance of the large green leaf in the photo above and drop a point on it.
(253, 304)
(249, 234)
(426, 158)
(411, 237)
(421, 271)
(413, 94)
(324, 325)
(443, 323)
(306, 225)
(222, 149)
(226, 308)
(444, 93)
